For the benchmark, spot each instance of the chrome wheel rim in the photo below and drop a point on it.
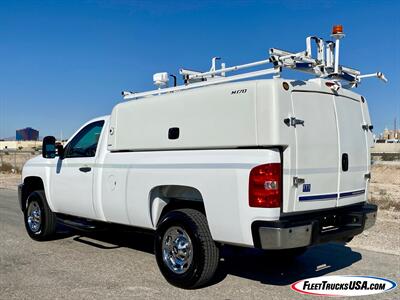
(177, 250)
(34, 217)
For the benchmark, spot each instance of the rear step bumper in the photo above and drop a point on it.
(339, 224)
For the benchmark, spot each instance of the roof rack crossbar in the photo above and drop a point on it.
(326, 65)
(218, 80)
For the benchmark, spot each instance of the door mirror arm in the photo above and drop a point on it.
(60, 151)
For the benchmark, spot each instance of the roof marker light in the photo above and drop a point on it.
(337, 29)
(337, 34)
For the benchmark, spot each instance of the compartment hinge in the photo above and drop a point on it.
(292, 121)
(367, 127)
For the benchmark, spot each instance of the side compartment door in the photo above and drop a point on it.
(316, 151)
(353, 151)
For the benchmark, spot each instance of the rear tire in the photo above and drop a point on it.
(40, 221)
(185, 251)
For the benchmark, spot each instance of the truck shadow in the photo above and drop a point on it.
(252, 264)
(111, 237)
(256, 265)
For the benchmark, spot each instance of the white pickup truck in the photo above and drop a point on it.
(272, 163)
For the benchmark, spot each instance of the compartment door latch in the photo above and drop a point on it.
(292, 121)
(297, 181)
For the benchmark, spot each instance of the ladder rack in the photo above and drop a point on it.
(325, 65)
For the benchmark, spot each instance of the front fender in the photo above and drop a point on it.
(35, 170)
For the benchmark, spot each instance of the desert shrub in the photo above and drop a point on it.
(390, 156)
(6, 167)
(386, 202)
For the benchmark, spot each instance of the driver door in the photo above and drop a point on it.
(72, 178)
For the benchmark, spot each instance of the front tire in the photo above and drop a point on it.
(185, 251)
(40, 221)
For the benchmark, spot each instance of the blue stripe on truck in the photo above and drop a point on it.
(332, 196)
(318, 197)
(351, 194)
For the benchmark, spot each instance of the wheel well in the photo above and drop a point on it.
(169, 197)
(30, 184)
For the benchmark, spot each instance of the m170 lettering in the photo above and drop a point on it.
(243, 91)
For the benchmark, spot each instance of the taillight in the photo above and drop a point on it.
(265, 186)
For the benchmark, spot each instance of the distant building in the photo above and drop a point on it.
(27, 134)
(391, 134)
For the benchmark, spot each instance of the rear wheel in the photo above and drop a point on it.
(185, 251)
(40, 221)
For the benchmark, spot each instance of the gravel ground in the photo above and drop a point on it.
(384, 189)
(9, 181)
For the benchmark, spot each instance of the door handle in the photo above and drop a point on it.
(85, 169)
(345, 162)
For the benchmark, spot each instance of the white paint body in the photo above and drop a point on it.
(223, 135)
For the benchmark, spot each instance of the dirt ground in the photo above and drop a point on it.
(384, 190)
(9, 181)
(13, 161)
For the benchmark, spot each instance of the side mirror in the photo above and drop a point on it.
(49, 147)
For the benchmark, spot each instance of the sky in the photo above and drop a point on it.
(65, 62)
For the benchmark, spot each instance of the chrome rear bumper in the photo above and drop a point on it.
(284, 238)
(339, 224)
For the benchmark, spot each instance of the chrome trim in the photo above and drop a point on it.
(34, 217)
(285, 238)
(177, 250)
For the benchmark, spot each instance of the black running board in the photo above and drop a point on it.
(80, 224)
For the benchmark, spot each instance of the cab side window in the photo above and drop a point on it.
(84, 144)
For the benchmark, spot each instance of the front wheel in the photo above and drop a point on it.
(185, 251)
(40, 221)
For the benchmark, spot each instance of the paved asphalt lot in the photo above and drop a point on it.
(120, 265)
